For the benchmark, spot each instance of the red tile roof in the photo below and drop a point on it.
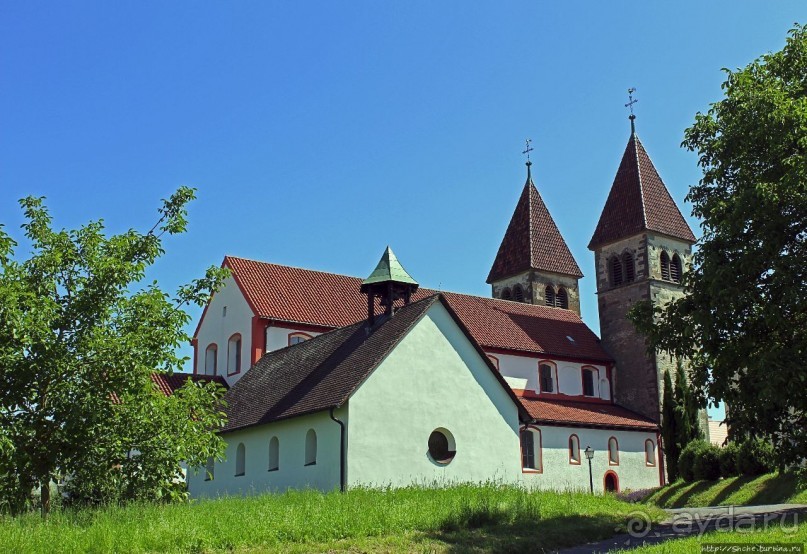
(532, 241)
(565, 413)
(323, 372)
(289, 294)
(168, 384)
(638, 202)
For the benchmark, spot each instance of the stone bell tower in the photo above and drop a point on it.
(641, 245)
(534, 264)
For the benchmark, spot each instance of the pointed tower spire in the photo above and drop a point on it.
(390, 282)
(639, 201)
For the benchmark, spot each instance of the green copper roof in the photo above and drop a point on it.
(389, 269)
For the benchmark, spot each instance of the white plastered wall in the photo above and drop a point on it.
(218, 328)
(434, 378)
(292, 471)
(633, 472)
(521, 372)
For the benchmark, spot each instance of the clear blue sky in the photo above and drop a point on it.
(319, 132)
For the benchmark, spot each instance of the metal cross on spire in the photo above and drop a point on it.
(527, 152)
(631, 102)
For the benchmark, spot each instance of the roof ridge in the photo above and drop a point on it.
(635, 139)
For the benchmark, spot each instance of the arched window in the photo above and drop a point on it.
(665, 266)
(546, 377)
(531, 459)
(310, 448)
(588, 381)
(234, 354)
(616, 271)
(649, 452)
(549, 293)
(297, 338)
(628, 265)
(562, 300)
(613, 452)
(675, 269)
(274, 454)
(506, 294)
(211, 355)
(610, 482)
(494, 360)
(574, 450)
(240, 459)
(210, 469)
(518, 293)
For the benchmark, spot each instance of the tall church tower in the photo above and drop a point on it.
(534, 264)
(641, 246)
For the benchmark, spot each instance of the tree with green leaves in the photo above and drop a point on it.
(81, 334)
(743, 321)
(669, 430)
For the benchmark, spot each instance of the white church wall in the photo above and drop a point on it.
(558, 473)
(227, 313)
(433, 379)
(278, 337)
(521, 373)
(292, 471)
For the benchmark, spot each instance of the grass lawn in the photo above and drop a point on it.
(458, 519)
(738, 491)
(788, 534)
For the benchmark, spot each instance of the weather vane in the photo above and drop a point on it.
(631, 102)
(528, 150)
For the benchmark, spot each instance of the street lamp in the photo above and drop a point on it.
(589, 455)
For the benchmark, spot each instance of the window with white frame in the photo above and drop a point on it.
(311, 448)
(546, 378)
(574, 449)
(211, 355)
(613, 452)
(234, 354)
(274, 454)
(531, 449)
(649, 452)
(240, 460)
(297, 338)
(588, 381)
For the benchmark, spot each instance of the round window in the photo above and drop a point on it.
(441, 446)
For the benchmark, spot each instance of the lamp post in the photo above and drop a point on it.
(589, 455)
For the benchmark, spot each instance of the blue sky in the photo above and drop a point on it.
(319, 132)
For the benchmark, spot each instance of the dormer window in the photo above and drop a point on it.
(546, 377)
(234, 354)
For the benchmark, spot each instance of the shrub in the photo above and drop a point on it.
(728, 460)
(686, 461)
(707, 463)
(755, 457)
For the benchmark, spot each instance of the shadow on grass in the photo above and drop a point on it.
(665, 496)
(730, 489)
(697, 488)
(486, 530)
(776, 490)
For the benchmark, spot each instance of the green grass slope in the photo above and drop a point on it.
(737, 491)
(464, 518)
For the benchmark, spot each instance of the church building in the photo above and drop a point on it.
(337, 382)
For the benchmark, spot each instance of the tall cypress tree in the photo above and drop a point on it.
(669, 430)
(686, 407)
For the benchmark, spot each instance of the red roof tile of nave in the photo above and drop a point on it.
(290, 294)
(563, 412)
(638, 201)
(168, 384)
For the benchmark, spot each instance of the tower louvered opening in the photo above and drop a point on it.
(518, 293)
(506, 294)
(562, 299)
(665, 266)
(675, 269)
(616, 271)
(549, 294)
(628, 264)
